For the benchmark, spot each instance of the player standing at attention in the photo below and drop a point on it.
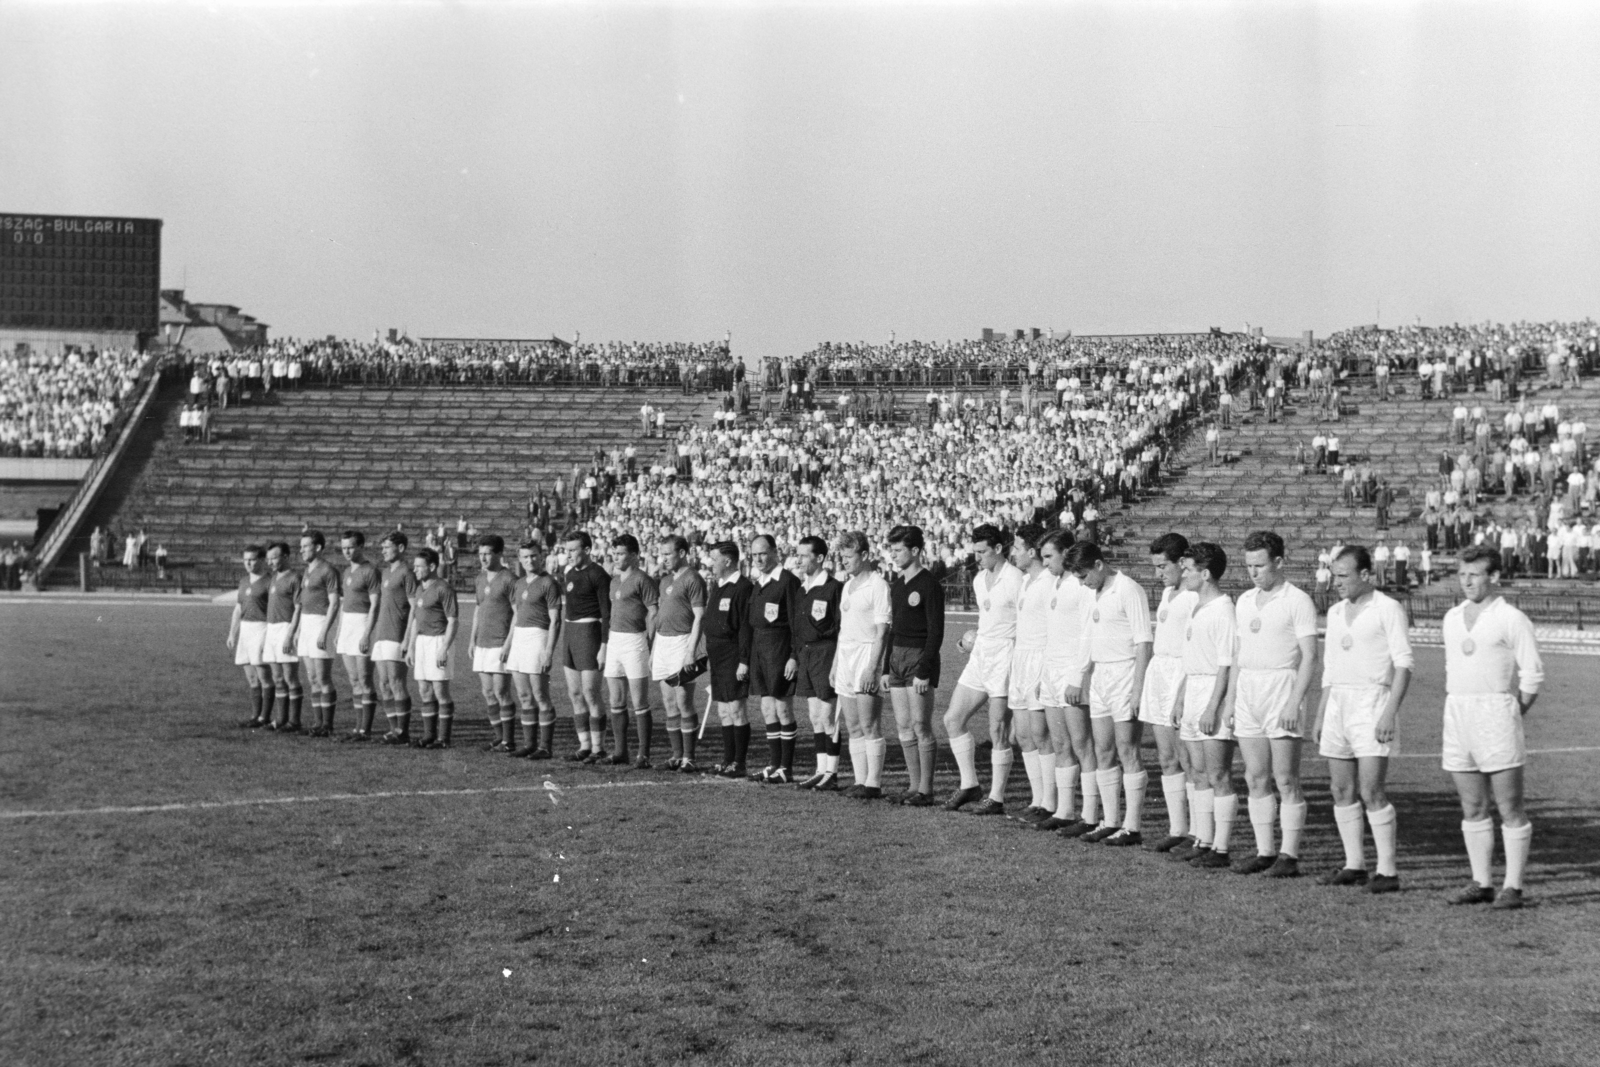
(728, 639)
(1492, 676)
(633, 623)
(1119, 646)
(530, 648)
(1025, 695)
(491, 629)
(1163, 681)
(911, 671)
(680, 617)
(863, 613)
(1206, 725)
(985, 682)
(1366, 668)
(1272, 673)
(428, 640)
(397, 586)
(315, 610)
(771, 667)
(585, 628)
(247, 635)
(1065, 691)
(358, 616)
(816, 640)
(282, 605)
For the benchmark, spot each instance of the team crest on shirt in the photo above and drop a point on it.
(772, 613)
(1468, 647)
(1052, 603)
(1255, 626)
(569, 587)
(914, 599)
(1188, 635)
(1096, 615)
(1347, 643)
(985, 605)
(819, 609)
(1163, 616)
(723, 604)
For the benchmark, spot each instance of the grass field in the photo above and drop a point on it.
(300, 901)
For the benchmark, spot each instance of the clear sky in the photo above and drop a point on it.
(826, 171)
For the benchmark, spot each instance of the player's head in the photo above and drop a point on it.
(579, 544)
(312, 544)
(854, 552)
(351, 542)
(1085, 560)
(1352, 572)
(763, 553)
(724, 558)
(424, 562)
(255, 558)
(493, 542)
(1203, 562)
(624, 551)
(1263, 559)
(672, 552)
(1479, 571)
(1165, 552)
(393, 546)
(1025, 545)
(530, 556)
(812, 552)
(988, 546)
(905, 545)
(278, 555)
(1053, 548)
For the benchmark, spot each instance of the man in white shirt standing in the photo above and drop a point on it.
(1488, 646)
(1065, 692)
(1272, 672)
(1204, 717)
(1120, 641)
(1366, 669)
(1163, 682)
(986, 680)
(858, 663)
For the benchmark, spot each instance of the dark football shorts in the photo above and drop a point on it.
(723, 665)
(812, 667)
(769, 654)
(580, 645)
(903, 667)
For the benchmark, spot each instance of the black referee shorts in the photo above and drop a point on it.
(812, 671)
(723, 667)
(768, 655)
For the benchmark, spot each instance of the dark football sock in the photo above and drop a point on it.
(369, 706)
(786, 738)
(774, 745)
(447, 719)
(255, 702)
(741, 743)
(547, 736)
(642, 727)
(280, 708)
(430, 721)
(675, 739)
(295, 697)
(729, 741)
(619, 732)
(689, 739)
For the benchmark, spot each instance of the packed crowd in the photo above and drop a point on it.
(1447, 360)
(62, 404)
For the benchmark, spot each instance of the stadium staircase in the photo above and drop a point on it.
(372, 457)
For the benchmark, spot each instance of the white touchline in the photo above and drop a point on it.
(326, 798)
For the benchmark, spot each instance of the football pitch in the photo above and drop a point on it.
(174, 890)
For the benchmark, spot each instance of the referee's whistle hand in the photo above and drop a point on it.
(788, 670)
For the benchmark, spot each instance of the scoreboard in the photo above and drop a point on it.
(74, 272)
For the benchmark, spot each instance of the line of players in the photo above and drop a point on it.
(1066, 664)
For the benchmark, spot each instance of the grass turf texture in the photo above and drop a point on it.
(706, 922)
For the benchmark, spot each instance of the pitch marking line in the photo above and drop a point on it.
(329, 798)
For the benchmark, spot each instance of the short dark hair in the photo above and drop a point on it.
(1083, 555)
(817, 545)
(398, 539)
(354, 535)
(627, 542)
(428, 554)
(1061, 537)
(1208, 556)
(1029, 534)
(1265, 540)
(1481, 554)
(910, 536)
(493, 542)
(678, 542)
(1358, 554)
(1171, 545)
(990, 535)
(282, 547)
(255, 550)
(729, 549)
(315, 537)
(532, 544)
(580, 536)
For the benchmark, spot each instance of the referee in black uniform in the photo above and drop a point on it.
(816, 638)
(728, 639)
(771, 666)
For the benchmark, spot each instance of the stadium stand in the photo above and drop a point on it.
(62, 404)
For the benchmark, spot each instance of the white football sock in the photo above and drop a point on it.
(1000, 770)
(1177, 790)
(962, 748)
(1202, 816)
(1518, 841)
(1047, 781)
(1109, 780)
(597, 740)
(1133, 786)
(1292, 818)
(1263, 819)
(1090, 788)
(874, 749)
(1382, 822)
(1480, 849)
(858, 760)
(1348, 817)
(1066, 790)
(1222, 809)
(1030, 765)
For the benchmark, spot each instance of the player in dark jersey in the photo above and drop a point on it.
(428, 640)
(727, 628)
(680, 617)
(397, 585)
(315, 612)
(585, 628)
(282, 605)
(771, 666)
(911, 670)
(358, 614)
(491, 629)
(627, 667)
(247, 635)
(530, 648)
(816, 640)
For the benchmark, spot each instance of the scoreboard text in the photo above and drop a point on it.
(70, 272)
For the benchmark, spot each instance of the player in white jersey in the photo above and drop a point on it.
(1492, 676)
(1208, 644)
(1065, 691)
(1119, 646)
(1026, 694)
(858, 661)
(1366, 668)
(986, 680)
(1163, 680)
(1272, 672)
